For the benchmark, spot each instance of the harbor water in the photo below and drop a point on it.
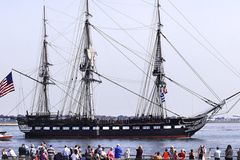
(212, 135)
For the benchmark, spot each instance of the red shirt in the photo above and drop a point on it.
(165, 155)
(182, 155)
(110, 155)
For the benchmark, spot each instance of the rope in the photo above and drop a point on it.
(122, 27)
(192, 92)
(230, 67)
(134, 93)
(194, 71)
(21, 101)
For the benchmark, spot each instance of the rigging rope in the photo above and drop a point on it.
(105, 35)
(232, 105)
(193, 70)
(192, 92)
(23, 100)
(61, 34)
(230, 67)
(125, 15)
(133, 28)
(54, 81)
(134, 93)
(122, 28)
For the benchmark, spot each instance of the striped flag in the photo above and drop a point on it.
(6, 85)
(162, 97)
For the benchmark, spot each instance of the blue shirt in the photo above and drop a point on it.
(118, 152)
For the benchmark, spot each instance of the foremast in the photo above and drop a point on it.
(41, 100)
(156, 107)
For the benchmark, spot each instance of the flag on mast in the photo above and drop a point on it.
(162, 97)
(6, 85)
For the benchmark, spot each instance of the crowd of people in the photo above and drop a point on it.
(45, 152)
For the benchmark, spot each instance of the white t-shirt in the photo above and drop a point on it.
(217, 154)
(74, 156)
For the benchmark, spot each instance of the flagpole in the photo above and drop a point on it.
(28, 76)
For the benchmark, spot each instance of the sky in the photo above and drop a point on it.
(216, 21)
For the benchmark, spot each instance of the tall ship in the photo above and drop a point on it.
(78, 119)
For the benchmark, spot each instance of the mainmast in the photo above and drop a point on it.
(87, 14)
(41, 93)
(79, 95)
(87, 66)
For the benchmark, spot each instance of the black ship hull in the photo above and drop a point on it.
(73, 127)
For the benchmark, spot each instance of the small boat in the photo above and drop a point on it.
(4, 136)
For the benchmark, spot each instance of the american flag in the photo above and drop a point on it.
(6, 85)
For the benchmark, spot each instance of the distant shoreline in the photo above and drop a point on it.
(224, 121)
(8, 124)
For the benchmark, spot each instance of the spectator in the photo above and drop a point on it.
(103, 154)
(127, 154)
(66, 153)
(201, 152)
(157, 156)
(27, 150)
(75, 155)
(171, 152)
(58, 156)
(44, 154)
(182, 154)
(110, 154)
(33, 152)
(191, 155)
(51, 152)
(238, 154)
(229, 153)
(4, 154)
(40, 150)
(88, 153)
(166, 154)
(118, 152)
(217, 154)
(139, 153)
(79, 151)
(12, 154)
(22, 152)
(175, 155)
(98, 150)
